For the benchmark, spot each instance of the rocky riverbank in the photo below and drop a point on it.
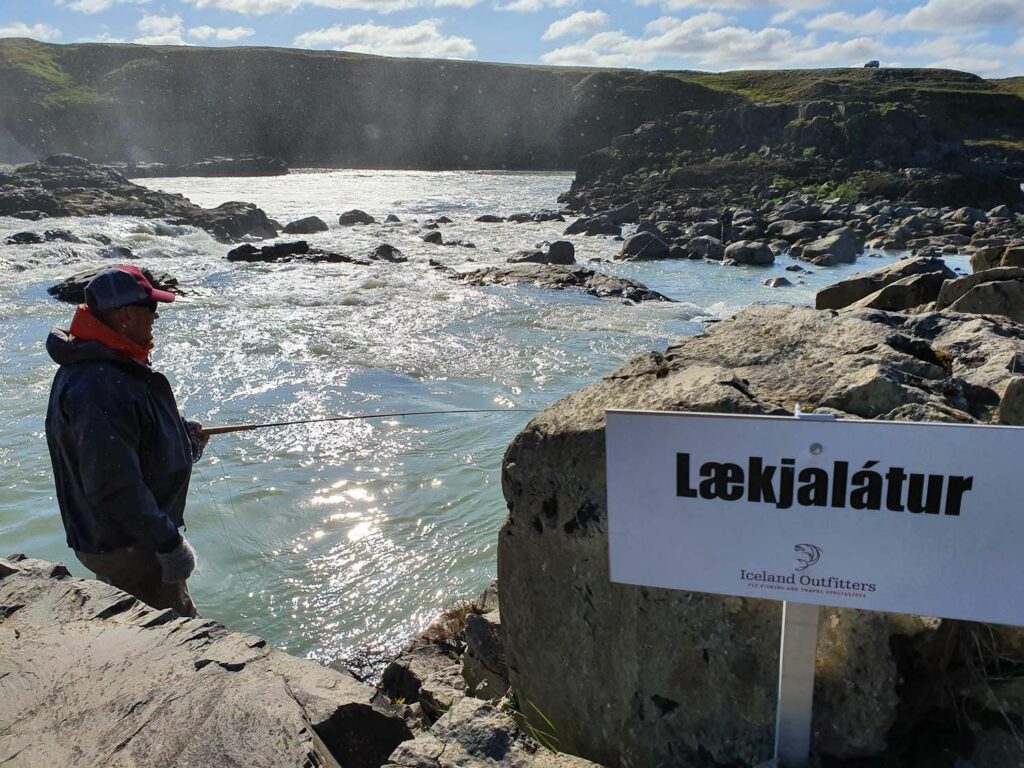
(64, 185)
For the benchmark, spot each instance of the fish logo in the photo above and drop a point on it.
(807, 555)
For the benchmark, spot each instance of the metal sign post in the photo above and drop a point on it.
(797, 653)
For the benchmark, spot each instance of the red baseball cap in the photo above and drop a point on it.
(121, 286)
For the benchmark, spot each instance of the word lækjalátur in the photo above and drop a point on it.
(782, 485)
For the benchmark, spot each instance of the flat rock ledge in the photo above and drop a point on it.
(89, 676)
(558, 277)
(632, 676)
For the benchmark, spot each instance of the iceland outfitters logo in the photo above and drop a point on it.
(807, 555)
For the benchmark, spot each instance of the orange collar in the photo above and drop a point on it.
(86, 327)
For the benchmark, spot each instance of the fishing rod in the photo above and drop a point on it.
(357, 417)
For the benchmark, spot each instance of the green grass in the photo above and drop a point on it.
(38, 63)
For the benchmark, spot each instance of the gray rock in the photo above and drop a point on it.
(433, 237)
(98, 679)
(647, 677)
(643, 246)
(904, 294)
(1011, 404)
(749, 252)
(843, 246)
(489, 218)
(593, 225)
(483, 663)
(559, 277)
(307, 226)
(953, 290)
(474, 734)
(355, 216)
(561, 252)
(428, 673)
(392, 219)
(1013, 256)
(707, 247)
(986, 257)
(1003, 297)
(792, 230)
(387, 252)
(777, 282)
(848, 291)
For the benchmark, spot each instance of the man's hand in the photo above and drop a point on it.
(204, 438)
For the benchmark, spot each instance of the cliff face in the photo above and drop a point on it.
(170, 104)
(308, 108)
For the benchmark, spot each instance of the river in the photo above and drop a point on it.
(332, 540)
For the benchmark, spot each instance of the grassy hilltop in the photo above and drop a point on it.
(175, 104)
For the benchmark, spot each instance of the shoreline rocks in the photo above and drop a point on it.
(246, 165)
(64, 185)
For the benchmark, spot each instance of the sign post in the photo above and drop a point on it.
(905, 517)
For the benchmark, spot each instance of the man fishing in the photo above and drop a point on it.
(122, 454)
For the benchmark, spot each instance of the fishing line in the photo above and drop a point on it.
(356, 417)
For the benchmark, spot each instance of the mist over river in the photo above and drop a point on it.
(328, 539)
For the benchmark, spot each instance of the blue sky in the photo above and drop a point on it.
(981, 36)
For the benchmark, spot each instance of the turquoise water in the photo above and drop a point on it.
(331, 539)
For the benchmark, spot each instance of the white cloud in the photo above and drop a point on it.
(533, 6)
(261, 7)
(944, 15)
(873, 22)
(728, 5)
(705, 42)
(785, 17)
(420, 40)
(228, 34)
(578, 24)
(160, 30)
(96, 6)
(42, 32)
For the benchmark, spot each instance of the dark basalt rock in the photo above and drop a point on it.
(355, 216)
(559, 277)
(489, 218)
(24, 238)
(434, 238)
(386, 252)
(72, 289)
(298, 251)
(307, 226)
(246, 165)
(69, 186)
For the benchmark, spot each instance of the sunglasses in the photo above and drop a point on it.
(150, 305)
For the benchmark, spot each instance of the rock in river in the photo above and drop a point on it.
(72, 289)
(559, 277)
(307, 226)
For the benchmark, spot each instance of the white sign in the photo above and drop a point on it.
(890, 516)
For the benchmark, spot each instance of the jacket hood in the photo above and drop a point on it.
(65, 350)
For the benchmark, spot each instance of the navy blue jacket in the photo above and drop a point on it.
(121, 452)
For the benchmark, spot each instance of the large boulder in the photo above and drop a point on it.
(307, 226)
(792, 231)
(633, 676)
(706, 247)
(643, 246)
(355, 216)
(841, 247)
(904, 294)
(93, 677)
(593, 225)
(749, 252)
(853, 289)
(954, 290)
(559, 252)
(234, 221)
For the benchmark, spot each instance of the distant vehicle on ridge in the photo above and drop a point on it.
(873, 64)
